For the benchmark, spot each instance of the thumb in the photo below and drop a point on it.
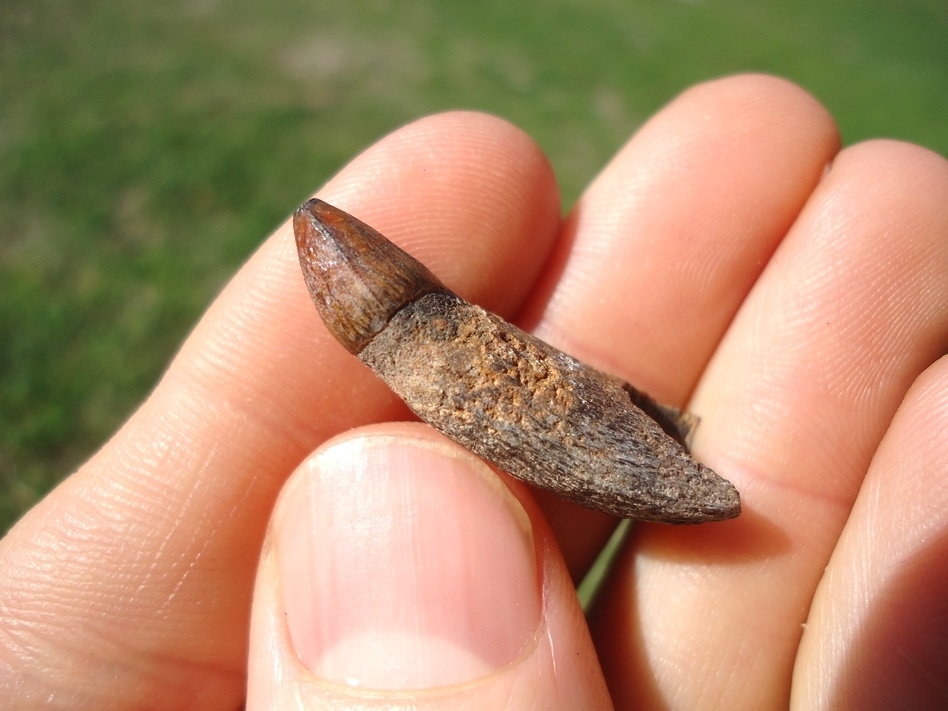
(401, 572)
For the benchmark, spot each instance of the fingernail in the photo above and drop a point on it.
(405, 564)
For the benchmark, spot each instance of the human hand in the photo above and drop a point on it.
(804, 312)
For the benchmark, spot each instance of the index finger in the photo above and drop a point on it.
(144, 559)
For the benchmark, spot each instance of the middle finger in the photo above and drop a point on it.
(662, 226)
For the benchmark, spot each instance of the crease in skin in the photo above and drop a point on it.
(517, 402)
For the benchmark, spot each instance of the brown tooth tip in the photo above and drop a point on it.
(320, 213)
(355, 276)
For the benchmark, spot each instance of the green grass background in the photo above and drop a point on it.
(146, 148)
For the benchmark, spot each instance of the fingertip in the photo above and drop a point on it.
(758, 89)
(400, 570)
(404, 564)
(666, 242)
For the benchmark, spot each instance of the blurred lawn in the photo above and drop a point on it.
(147, 147)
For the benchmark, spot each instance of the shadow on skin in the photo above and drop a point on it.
(900, 657)
(715, 543)
(747, 538)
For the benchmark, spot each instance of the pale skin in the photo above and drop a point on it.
(238, 541)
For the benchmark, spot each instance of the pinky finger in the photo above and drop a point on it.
(875, 637)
